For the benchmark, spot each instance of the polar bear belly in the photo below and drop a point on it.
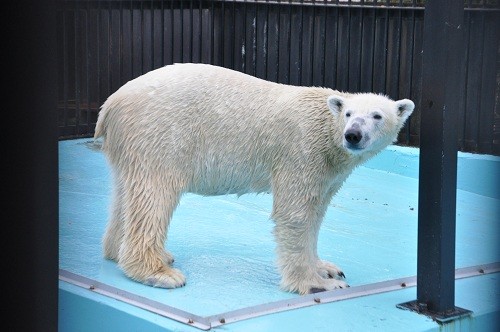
(229, 172)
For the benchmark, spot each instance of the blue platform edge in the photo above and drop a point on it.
(477, 243)
(476, 173)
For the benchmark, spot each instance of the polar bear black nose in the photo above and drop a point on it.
(353, 136)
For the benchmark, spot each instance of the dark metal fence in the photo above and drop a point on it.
(355, 46)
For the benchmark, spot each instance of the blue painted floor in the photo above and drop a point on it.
(225, 248)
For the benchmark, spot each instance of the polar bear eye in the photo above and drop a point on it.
(348, 114)
(377, 116)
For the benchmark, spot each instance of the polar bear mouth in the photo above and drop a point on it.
(353, 148)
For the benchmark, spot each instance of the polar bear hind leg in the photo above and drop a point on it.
(113, 235)
(148, 204)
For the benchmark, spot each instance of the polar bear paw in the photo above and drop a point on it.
(316, 279)
(166, 278)
(331, 275)
(328, 270)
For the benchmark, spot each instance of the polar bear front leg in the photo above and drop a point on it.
(296, 233)
(149, 203)
(301, 270)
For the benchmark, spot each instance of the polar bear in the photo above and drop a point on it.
(209, 130)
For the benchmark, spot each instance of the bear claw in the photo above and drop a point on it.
(340, 274)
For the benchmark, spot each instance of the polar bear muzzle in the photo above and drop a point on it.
(353, 135)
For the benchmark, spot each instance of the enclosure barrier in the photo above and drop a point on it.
(90, 44)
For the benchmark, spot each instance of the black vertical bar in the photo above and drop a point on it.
(222, 38)
(87, 69)
(142, 37)
(397, 64)
(77, 69)
(245, 40)
(277, 42)
(348, 45)
(379, 52)
(386, 49)
(336, 48)
(152, 32)
(301, 37)
(462, 126)
(260, 41)
(368, 50)
(121, 51)
(181, 34)
(283, 39)
(289, 42)
(312, 22)
(131, 37)
(343, 39)
(354, 48)
(254, 40)
(265, 54)
(212, 34)
(438, 156)
(361, 46)
(200, 33)
(410, 85)
(109, 53)
(172, 35)
(98, 53)
(65, 67)
(30, 168)
(162, 34)
(324, 42)
(489, 81)
(416, 86)
(191, 27)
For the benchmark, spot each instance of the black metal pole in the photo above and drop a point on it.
(442, 47)
(438, 155)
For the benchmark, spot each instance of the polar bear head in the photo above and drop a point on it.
(370, 121)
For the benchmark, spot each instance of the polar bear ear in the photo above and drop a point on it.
(404, 108)
(335, 103)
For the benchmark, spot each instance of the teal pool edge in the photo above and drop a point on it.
(476, 173)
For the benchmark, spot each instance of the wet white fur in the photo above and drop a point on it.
(212, 131)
